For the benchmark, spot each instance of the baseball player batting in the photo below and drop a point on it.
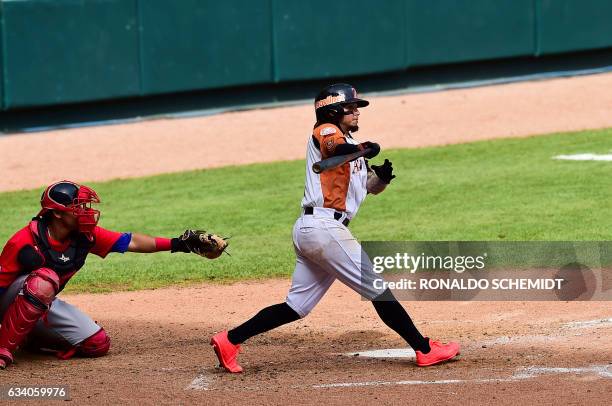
(38, 261)
(325, 248)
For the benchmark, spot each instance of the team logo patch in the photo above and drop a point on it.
(328, 131)
(330, 145)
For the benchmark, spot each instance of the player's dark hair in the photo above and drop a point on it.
(332, 115)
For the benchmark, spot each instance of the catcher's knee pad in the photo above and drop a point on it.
(40, 287)
(39, 290)
(95, 346)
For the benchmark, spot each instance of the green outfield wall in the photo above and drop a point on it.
(64, 51)
(571, 25)
(3, 75)
(69, 51)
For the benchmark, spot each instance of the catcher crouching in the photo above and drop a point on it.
(38, 261)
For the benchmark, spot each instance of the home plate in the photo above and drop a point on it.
(407, 353)
(585, 157)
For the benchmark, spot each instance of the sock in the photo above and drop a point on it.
(395, 317)
(266, 320)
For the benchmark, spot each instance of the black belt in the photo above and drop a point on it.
(337, 215)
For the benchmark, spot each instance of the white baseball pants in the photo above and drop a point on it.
(326, 250)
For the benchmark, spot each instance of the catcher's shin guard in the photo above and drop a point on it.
(32, 302)
(95, 346)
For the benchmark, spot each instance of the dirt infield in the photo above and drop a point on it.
(513, 352)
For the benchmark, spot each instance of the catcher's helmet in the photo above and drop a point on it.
(73, 198)
(330, 101)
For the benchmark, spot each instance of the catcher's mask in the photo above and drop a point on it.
(330, 102)
(72, 198)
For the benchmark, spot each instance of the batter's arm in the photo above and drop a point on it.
(379, 176)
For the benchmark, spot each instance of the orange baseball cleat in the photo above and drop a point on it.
(439, 353)
(226, 352)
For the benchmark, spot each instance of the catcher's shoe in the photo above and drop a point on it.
(226, 352)
(439, 353)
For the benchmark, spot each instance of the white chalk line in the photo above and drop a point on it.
(585, 157)
(204, 379)
(398, 383)
(589, 323)
(531, 339)
(603, 371)
(407, 353)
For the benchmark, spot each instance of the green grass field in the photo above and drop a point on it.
(505, 189)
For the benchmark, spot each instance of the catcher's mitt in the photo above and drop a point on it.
(200, 242)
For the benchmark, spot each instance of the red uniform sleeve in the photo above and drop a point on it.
(105, 239)
(9, 265)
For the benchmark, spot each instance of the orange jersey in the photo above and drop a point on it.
(342, 188)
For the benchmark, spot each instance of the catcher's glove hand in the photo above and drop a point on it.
(200, 242)
(384, 171)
